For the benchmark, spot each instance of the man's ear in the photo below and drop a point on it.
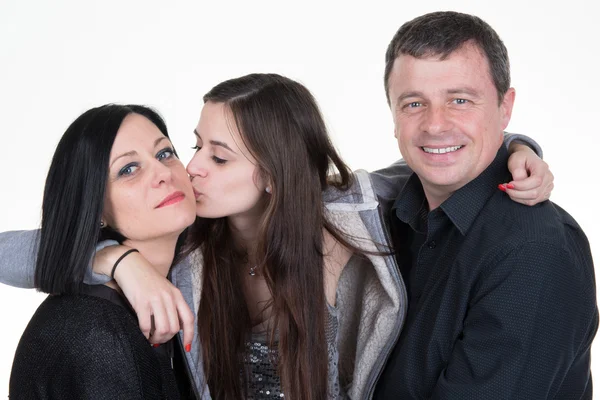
(506, 107)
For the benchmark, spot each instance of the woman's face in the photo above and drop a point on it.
(224, 175)
(148, 194)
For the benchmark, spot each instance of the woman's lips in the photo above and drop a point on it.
(173, 198)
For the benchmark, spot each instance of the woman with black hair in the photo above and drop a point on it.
(114, 175)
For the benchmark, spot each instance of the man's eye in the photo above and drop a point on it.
(414, 104)
(461, 101)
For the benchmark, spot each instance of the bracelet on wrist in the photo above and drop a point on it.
(114, 268)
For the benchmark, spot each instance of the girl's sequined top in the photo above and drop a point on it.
(261, 364)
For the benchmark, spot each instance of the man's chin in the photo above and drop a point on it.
(442, 178)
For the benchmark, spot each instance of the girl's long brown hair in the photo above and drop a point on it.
(282, 127)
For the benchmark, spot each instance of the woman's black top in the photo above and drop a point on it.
(89, 346)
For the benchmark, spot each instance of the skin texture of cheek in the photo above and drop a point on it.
(126, 216)
(229, 193)
(231, 200)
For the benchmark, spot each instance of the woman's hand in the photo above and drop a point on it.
(160, 307)
(532, 180)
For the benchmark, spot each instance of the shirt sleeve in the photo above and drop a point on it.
(523, 139)
(92, 278)
(528, 330)
(18, 253)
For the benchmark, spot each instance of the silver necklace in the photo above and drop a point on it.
(252, 271)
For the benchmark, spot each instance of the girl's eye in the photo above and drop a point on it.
(219, 160)
(197, 148)
(165, 154)
(128, 169)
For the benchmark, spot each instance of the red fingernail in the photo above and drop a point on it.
(501, 187)
(510, 186)
(155, 345)
(188, 347)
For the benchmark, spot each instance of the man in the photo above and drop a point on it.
(502, 298)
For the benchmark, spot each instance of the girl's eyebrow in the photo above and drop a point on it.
(216, 143)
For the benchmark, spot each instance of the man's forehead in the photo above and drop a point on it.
(466, 63)
(468, 50)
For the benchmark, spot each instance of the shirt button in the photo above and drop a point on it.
(431, 244)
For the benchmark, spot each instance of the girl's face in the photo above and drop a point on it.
(148, 194)
(224, 174)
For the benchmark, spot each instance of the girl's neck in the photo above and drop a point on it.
(244, 231)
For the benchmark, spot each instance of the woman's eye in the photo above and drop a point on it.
(219, 160)
(128, 170)
(165, 154)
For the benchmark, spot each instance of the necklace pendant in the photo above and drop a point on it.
(252, 271)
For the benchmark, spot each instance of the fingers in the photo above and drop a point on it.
(519, 173)
(165, 316)
(161, 309)
(173, 321)
(166, 312)
(187, 320)
(532, 190)
(519, 161)
(145, 322)
(529, 197)
(532, 179)
(527, 184)
(161, 332)
(155, 300)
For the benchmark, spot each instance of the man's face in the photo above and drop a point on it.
(447, 119)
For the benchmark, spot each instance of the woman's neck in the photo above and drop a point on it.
(158, 252)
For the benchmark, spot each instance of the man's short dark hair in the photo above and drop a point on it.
(441, 33)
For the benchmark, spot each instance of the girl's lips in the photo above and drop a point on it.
(196, 193)
(173, 198)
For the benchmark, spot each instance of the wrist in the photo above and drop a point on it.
(116, 264)
(517, 145)
(106, 258)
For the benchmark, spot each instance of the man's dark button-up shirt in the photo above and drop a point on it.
(502, 298)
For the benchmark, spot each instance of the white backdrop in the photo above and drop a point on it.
(60, 58)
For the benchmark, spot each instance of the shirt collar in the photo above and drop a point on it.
(464, 205)
(410, 205)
